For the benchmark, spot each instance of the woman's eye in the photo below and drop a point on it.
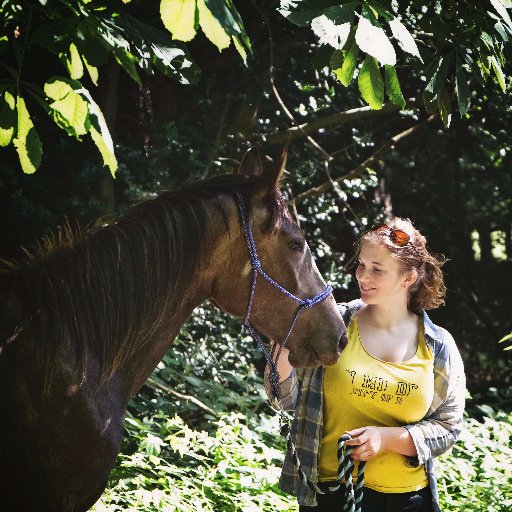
(296, 245)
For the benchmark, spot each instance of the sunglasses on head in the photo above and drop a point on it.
(397, 237)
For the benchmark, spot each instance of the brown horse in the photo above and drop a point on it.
(85, 321)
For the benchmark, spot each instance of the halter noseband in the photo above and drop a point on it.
(258, 270)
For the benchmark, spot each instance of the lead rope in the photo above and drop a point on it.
(353, 495)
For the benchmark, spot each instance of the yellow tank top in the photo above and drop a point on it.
(361, 390)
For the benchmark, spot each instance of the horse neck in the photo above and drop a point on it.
(196, 290)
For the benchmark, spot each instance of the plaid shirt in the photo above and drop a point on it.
(302, 393)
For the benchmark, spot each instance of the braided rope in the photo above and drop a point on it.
(353, 495)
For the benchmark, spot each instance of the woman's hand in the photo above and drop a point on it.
(367, 442)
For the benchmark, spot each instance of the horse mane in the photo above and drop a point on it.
(104, 292)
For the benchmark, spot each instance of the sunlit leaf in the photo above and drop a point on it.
(345, 74)
(374, 41)
(178, 17)
(69, 110)
(370, 83)
(27, 142)
(74, 63)
(330, 33)
(404, 38)
(100, 133)
(211, 27)
(8, 118)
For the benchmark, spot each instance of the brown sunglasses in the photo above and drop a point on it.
(396, 236)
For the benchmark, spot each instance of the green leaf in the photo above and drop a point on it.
(7, 118)
(462, 89)
(27, 142)
(374, 41)
(437, 77)
(240, 48)
(69, 110)
(73, 63)
(128, 63)
(393, 89)
(404, 38)
(211, 27)
(92, 70)
(349, 65)
(499, 73)
(178, 17)
(322, 57)
(430, 101)
(370, 83)
(100, 133)
(445, 107)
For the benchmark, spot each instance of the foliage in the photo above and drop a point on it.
(179, 457)
(477, 474)
(457, 43)
(83, 35)
(180, 468)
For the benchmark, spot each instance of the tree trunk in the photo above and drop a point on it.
(108, 100)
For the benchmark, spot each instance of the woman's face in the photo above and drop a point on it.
(380, 276)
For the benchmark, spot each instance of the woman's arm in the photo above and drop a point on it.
(287, 383)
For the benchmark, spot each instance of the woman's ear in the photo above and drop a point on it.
(410, 278)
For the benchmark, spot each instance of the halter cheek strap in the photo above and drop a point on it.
(271, 358)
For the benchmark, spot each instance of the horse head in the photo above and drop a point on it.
(319, 334)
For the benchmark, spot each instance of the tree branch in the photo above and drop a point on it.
(357, 171)
(188, 398)
(340, 118)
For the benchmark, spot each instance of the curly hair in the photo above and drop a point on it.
(429, 290)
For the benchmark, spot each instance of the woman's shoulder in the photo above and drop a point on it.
(348, 309)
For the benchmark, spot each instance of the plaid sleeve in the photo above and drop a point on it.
(289, 391)
(442, 426)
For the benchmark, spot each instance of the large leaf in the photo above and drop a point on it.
(393, 89)
(404, 38)
(7, 118)
(100, 133)
(69, 109)
(370, 83)
(179, 17)
(211, 27)
(27, 142)
(73, 62)
(345, 74)
(374, 41)
(330, 33)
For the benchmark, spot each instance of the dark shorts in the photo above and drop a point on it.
(374, 501)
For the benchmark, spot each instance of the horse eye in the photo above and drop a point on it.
(296, 245)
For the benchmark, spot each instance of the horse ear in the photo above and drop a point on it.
(270, 180)
(252, 164)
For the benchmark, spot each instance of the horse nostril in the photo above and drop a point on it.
(342, 342)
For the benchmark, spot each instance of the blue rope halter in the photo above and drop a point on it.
(258, 270)
(353, 493)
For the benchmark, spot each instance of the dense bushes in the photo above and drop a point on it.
(200, 437)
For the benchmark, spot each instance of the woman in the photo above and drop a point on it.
(398, 388)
